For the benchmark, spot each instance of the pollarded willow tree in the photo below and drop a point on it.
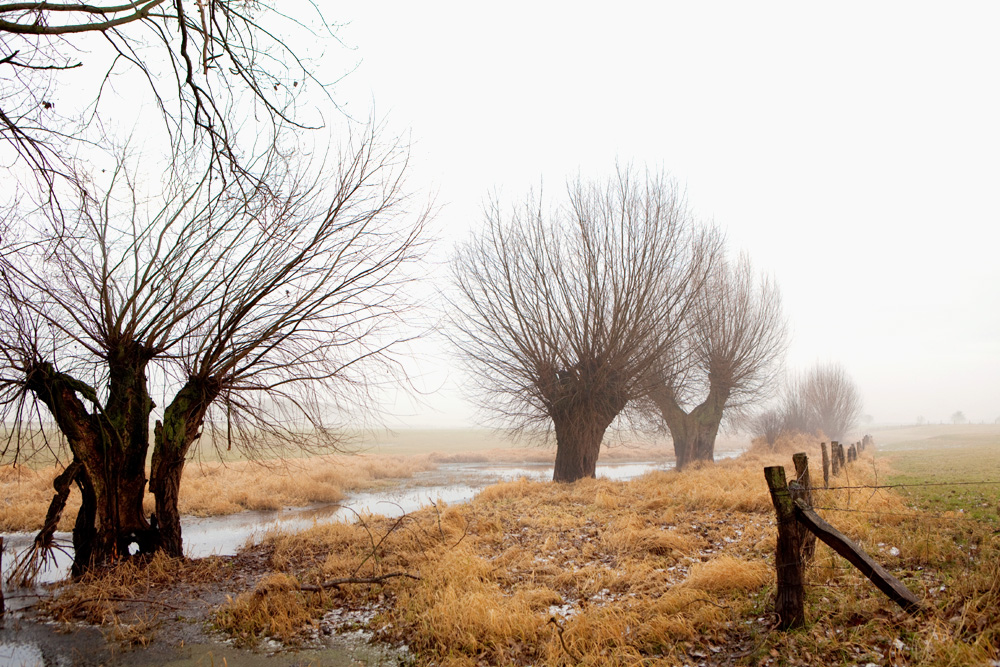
(728, 362)
(563, 315)
(831, 398)
(263, 314)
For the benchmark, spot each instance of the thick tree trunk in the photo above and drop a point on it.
(164, 483)
(110, 444)
(115, 462)
(181, 426)
(579, 434)
(582, 402)
(693, 432)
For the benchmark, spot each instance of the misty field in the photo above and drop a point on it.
(955, 456)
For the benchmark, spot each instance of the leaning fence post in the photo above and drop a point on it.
(804, 492)
(789, 600)
(826, 466)
(835, 456)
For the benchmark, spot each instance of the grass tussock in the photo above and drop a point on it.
(726, 574)
(275, 608)
(671, 568)
(532, 572)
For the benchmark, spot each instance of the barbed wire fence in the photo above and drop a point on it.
(796, 504)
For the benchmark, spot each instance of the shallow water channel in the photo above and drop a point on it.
(24, 642)
(225, 535)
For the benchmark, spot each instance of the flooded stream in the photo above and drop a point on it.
(225, 535)
(25, 642)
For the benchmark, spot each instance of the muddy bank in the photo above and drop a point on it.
(173, 627)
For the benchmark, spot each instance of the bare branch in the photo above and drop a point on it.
(563, 316)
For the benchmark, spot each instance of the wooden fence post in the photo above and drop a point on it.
(804, 493)
(840, 453)
(790, 597)
(3, 607)
(826, 466)
(835, 456)
(888, 584)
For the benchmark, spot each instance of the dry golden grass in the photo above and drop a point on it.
(618, 566)
(212, 488)
(275, 608)
(671, 568)
(25, 494)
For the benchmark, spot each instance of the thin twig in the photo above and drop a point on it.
(560, 629)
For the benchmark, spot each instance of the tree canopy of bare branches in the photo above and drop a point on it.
(562, 315)
(728, 361)
(822, 401)
(212, 68)
(260, 314)
(832, 400)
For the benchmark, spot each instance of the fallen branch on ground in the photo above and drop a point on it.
(313, 588)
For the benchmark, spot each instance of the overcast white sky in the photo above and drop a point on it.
(853, 149)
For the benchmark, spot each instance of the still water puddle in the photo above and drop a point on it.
(225, 535)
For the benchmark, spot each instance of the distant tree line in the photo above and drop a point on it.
(824, 401)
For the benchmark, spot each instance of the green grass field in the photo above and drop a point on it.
(963, 459)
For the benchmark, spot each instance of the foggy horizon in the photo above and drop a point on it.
(851, 152)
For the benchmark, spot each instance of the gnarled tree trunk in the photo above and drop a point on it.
(693, 432)
(579, 434)
(582, 409)
(110, 443)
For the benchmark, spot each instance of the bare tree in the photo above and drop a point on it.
(261, 315)
(767, 425)
(213, 68)
(562, 316)
(798, 415)
(832, 400)
(733, 351)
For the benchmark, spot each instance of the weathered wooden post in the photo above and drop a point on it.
(804, 492)
(826, 466)
(843, 458)
(888, 584)
(790, 597)
(835, 457)
(851, 456)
